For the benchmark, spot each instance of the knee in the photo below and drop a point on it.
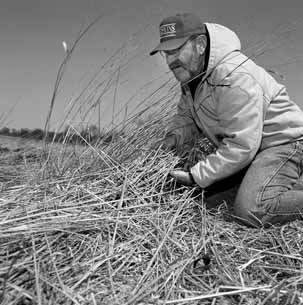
(246, 211)
(248, 218)
(252, 214)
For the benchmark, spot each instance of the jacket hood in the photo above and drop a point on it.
(222, 42)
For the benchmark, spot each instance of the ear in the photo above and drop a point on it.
(201, 42)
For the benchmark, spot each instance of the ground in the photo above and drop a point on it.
(104, 224)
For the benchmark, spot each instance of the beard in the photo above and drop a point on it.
(181, 72)
(185, 72)
(182, 75)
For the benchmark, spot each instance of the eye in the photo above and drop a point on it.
(166, 53)
(170, 52)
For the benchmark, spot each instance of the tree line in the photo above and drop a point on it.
(89, 134)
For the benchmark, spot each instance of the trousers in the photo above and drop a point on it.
(268, 192)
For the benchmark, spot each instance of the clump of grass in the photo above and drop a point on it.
(114, 229)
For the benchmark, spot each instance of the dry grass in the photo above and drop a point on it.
(105, 225)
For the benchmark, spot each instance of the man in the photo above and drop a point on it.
(256, 129)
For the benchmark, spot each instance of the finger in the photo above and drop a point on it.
(176, 172)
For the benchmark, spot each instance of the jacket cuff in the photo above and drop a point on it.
(196, 178)
(191, 177)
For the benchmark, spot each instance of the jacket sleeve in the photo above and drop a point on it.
(240, 117)
(182, 124)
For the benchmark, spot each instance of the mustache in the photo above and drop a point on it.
(175, 64)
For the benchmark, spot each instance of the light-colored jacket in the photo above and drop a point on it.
(239, 106)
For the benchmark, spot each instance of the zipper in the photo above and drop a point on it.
(198, 121)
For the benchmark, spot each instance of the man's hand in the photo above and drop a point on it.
(168, 143)
(182, 177)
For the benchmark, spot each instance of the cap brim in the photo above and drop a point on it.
(169, 45)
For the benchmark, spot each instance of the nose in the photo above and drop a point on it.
(170, 58)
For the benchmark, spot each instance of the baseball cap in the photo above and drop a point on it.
(176, 30)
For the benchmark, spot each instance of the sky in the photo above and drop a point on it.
(31, 51)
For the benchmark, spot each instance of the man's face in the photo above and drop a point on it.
(184, 62)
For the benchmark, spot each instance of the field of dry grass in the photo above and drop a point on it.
(106, 225)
